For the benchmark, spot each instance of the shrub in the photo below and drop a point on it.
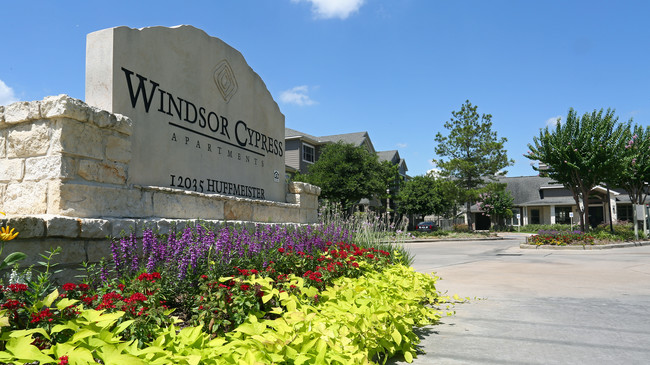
(534, 228)
(460, 228)
(623, 231)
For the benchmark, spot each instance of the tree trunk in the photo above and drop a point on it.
(585, 204)
(469, 216)
(576, 198)
(635, 218)
(611, 216)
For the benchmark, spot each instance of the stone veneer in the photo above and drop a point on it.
(64, 168)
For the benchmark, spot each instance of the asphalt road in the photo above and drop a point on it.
(537, 306)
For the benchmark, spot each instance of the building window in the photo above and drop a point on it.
(534, 216)
(308, 153)
(562, 215)
(515, 221)
(625, 213)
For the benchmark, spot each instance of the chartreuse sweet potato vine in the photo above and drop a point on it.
(354, 321)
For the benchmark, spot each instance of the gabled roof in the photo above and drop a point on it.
(526, 189)
(294, 134)
(356, 139)
(392, 156)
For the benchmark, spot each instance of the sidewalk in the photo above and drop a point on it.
(538, 306)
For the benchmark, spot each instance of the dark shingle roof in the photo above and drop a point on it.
(292, 133)
(356, 139)
(525, 189)
(388, 155)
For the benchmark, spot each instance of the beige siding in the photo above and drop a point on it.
(292, 155)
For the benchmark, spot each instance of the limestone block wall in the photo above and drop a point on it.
(53, 149)
(61, 157)
(64, 181)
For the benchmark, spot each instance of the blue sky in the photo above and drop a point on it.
(393, 68)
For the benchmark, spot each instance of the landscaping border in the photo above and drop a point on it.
(585, 247)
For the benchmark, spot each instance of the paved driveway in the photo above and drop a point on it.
(538, 306)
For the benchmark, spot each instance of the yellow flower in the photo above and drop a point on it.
(6, 234)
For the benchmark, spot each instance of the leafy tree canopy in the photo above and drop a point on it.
(346, 174)
(496, 202)
(580, 153)
(471, 152)
(423, 195)
(633, 170)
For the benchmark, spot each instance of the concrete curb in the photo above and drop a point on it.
(585, 247)
(422, 240)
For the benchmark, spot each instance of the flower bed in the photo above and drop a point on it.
(561, 238)
(273, 295)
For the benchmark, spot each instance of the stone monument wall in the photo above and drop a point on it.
(64, 181)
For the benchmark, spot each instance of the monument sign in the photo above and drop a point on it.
(203, 120)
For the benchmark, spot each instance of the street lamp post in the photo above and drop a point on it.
(387, 206)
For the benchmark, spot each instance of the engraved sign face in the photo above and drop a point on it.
(225, 80)
(203, 119)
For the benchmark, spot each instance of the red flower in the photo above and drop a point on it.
(244, 287)
(149, 277)
(83, 287)
(63, 360)
(45, 314)
(88, 300)
(121, 286)
(136, 297)
(69, 286)
(17, 288)
(281, 250)
(12, 304)
(108, 300)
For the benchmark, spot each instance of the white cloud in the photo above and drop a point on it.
(552, 122)
(326, 9)
(297, 95)
(402, 145)
(6, 94)
(434, 173)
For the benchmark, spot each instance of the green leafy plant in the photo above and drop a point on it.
(354, 321)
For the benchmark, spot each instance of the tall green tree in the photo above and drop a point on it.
(423, 195)
(471, 153)
(346, 174)
(633, 170)
(580, 153)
